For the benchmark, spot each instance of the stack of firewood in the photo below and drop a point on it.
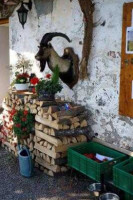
(14, 100)
(58, 126)
(57, 129)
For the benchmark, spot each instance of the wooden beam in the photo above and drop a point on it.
(4, 21)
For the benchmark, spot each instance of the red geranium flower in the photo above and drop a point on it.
(34, 80)
(23, 119)
(18, 125)
(48, 76)
(24, 129)
(23, 75)
(25, 112)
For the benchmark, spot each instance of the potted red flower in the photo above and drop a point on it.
(48, 87)
(22, 81)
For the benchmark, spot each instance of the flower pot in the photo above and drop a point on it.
(44, 96)
(22, 86)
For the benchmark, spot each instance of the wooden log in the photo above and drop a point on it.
(48, 159)
(59, 161)
(50, 139)
(52, 124)
(74, 140)
(53, 109)
(54, 168)
(64, 121)
(9, 146)
(50, 173)
(41, 127)
(45, 116)
(50, 118)
(65, 127)
(44, 157)
(28, 141)
(38, 108)
(72, 112)
(76, 124)
(64, 148)
(47, 103)
(71, 132)
(64, 169)
(34, 106)
(46, 151)
(41, 155)
(83, 138)
(44, 110)
(47, 131)
(31, 146)
(83, 123)
(31, 137)
(68, 120)
(49, 146)
(5, 107)
(45, 144)
(64, 140)
(41, 143)
(33, 111)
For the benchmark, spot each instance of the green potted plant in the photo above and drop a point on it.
(47, 88)
(23, 123)
(21, 81)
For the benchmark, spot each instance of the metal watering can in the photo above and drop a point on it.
(109, 196)
(25, 162)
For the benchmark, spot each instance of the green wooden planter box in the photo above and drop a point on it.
(89, 167)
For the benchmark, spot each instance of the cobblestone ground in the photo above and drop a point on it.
(71, 186)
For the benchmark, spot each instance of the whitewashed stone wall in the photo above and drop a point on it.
(100, 93)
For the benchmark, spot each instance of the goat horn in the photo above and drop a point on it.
(49, 36)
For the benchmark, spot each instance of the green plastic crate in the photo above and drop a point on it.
(89, 167)
(122, 177)
(128, 196)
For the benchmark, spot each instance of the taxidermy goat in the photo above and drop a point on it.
(68, 64)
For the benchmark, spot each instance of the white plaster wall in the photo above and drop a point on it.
(100, 92)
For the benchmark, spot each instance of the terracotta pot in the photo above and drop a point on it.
(22, 86)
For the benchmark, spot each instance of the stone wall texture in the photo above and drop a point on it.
(100, 93)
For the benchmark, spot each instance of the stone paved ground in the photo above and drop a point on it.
(40, 187)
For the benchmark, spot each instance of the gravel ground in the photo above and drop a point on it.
(71, 186)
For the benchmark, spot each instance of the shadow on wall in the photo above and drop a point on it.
(43, 7)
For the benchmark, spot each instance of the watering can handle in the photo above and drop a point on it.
(27, 151)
